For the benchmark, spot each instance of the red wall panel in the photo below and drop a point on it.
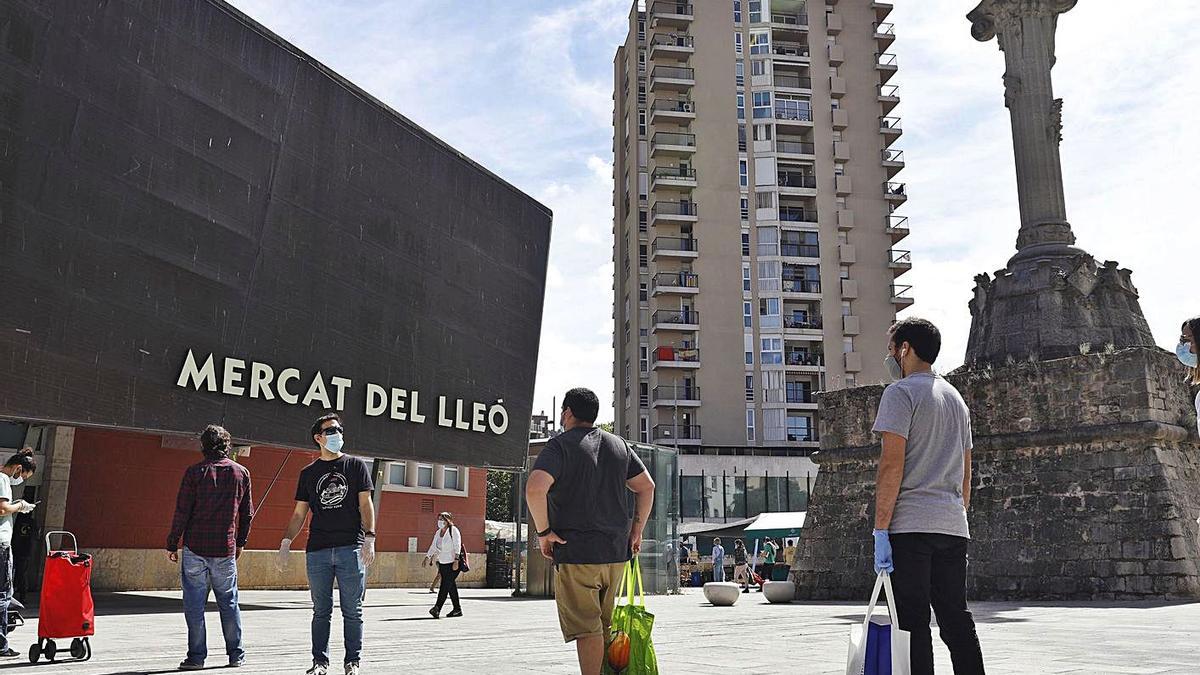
(123, 487)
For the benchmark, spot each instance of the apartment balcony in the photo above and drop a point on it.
(891, 128)
(889, 96)
(675, 110)
(793, 214)
(899, 261)
(882, 10)
(800, 251)
(803, 399)
(672, 176)
(676, 396)
(674, 283)
(885, 35)
(887, 65)
(673, 212)
(687, 358)
(902, 295)
(797, 20)
(795, 52)
(794, 114)
(676, 434)
(685, 320)
(668, 144)
(797, 183)
(893, 161)
(800, 323)
(803, 287)
(897, 227)
(894, 193)
(671, 46)
(672, 78)
(783, 147)
(671, 14)
(786, 81)
(806, 361)
(674, 248)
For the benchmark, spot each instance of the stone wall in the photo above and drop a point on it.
(1086, 483)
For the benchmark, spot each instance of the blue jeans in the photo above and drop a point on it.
(6, 592)
(341, 563)
(719, 569)
(220, 574)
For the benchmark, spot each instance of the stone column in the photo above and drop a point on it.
(1025, 32)
(58, 446)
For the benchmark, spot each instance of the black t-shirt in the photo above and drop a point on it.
(331, 489)
(590, 505)
(739, 555)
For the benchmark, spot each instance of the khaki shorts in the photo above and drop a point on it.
(585, 595)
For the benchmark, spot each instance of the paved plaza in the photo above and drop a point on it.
(140, 633)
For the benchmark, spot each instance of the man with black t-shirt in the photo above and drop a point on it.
(579, 501)
(337, 489)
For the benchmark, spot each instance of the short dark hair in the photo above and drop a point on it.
(316, 427)
(215, 442)
(921, 335)
(24, 458)
(584, 404)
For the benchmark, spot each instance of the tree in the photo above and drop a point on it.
(499, 496)
(608, 426)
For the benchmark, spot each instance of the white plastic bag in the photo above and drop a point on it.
(856, 658)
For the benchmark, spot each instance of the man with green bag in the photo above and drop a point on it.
(578, 499)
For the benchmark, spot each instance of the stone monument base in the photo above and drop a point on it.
(1086, 483)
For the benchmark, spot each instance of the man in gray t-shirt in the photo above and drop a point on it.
(921, 498)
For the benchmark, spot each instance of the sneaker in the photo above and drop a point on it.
(190, 665)
(9, 652)
(456, 612)
(238, 663)
(352, 668)
(318, 669)
(434, 612)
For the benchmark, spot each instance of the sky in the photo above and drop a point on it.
(524, 87)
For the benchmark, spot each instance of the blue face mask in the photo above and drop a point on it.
(1186, 357)
(333, 443)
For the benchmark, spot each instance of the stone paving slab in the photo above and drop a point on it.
(143, 633)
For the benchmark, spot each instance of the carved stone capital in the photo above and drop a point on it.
(991, 17)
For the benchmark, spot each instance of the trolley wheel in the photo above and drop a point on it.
(50, 650)
(35, 651)
(88, 648)
(77, 649)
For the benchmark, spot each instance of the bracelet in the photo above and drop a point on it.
(544, 532)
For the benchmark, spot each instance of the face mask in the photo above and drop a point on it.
(333, 443)
(1186, 357)
(441, 524)
(893, 367)
(16, 480)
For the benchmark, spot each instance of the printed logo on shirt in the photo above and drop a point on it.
(332, 489)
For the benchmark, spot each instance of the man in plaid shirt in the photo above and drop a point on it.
(212, 516)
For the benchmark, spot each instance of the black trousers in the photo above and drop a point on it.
(449, 585)
(931, 570)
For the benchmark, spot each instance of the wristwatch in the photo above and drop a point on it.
(544, 532)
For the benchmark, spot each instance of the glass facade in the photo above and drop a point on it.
(659, 557)
(728, 497)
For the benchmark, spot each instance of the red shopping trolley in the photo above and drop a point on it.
(66, 609)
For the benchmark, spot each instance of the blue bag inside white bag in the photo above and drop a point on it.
(877, 645)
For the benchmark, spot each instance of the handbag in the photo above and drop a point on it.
(462, 560)
(878, 646)
(631, 626)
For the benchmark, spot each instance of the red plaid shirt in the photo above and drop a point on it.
(213, 510)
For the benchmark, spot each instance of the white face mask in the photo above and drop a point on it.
(441, 524)
(16, 480)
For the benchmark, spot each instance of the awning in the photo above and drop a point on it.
(782, 524)
(689, 529)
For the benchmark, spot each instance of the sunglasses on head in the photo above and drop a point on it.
(331, 431)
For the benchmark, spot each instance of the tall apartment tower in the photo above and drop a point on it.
(755, 228)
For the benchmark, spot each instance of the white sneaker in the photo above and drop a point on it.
(352, 668)
(317, 669)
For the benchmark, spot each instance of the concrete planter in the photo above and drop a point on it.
(722, 593)
(778, 592)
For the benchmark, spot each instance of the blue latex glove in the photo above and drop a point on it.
(883, 552)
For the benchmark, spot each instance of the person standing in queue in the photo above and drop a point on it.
(18, 469)
(444, 552)
(741, 565)
(336, 488)
(718, 558)
(1187, 350)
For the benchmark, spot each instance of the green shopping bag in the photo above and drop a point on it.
(633, 620)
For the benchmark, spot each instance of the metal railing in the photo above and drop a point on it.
(885, 28)
(799, 19)
(796, 179)
(790, 49)
(680, 105)
(801, 286)
(675, 280)
(689, 317)
(675, 244)
(803, 114)
(672, 40)
(887, 60)
(890, 155)
(667, 432)
(899, 257)
(894, 189)
(673, 72)
(802, 435)
(809, 323)
(672, 354)
(680, 8)
(793, 214)
(673, 172)
(672, 138)
(795, 147)
(800, 358)
(888, 90)
(901, 291)
(897, 222)
(800, 250)
(676, 392)
(890, 123)
(792, 81)
(675, 209)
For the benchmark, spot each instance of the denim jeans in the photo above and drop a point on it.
(719, 569)
(6, 592)
(341, 563)
(199, 574)
(931, 569)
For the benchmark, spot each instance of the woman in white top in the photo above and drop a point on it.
(445, 550)
(1188, 348)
